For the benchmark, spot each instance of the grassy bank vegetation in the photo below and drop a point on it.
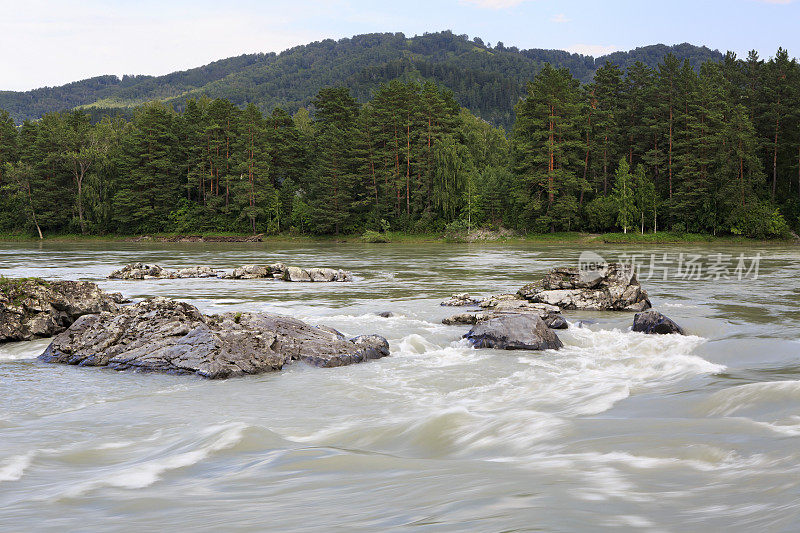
(398, 237)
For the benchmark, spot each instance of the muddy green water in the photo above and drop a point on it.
(618, 431)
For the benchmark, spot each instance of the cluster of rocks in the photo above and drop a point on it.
(525, 320)
(32, 308)
(141, 271)
(460, 300)
(163, 335)
(614, 287)
(509, 304)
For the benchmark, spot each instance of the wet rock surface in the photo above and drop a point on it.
(31, 307)
(140, 271)
(653, 322)
(614, 287)
(505, 305)
(163, 335)
(514, 332)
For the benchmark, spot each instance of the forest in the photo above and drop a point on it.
(704, 148)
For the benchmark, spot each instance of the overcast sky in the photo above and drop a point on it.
(45, 42)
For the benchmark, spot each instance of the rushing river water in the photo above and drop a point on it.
(617, 431)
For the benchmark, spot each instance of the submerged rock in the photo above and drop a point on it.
(33, 307)
(163, 335)
(612, 288)
(654, 322)
(140, 271)
(514, 332)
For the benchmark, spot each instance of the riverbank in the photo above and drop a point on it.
(481, 236)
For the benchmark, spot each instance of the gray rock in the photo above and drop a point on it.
(343, 275)
(466, 318)
(614, 288)
(162, 335)
(460, 300)
(251, 272)
(31, 307)
(654, 322)
(141, 271)
(385, 314)
(509, 304)
(556, 322)
(296, 274)
(514, 332)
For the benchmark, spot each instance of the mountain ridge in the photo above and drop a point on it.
(487, 80)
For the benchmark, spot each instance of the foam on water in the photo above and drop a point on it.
(14, 467)
(145, 473)
(735, 399)
(454, 399)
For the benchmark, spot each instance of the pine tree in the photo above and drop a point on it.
(547, 134)
(333, 192)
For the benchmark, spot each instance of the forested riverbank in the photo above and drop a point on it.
(694, 149)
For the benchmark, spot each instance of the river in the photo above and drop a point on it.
(617, 431)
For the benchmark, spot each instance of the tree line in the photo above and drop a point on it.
(714, 149)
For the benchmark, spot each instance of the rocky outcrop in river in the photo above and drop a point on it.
(612, 288)
(162, 335)
(514, 332)
(32, 307)
(140, 271)
(653, 322)
(460, 300)
(509, 304)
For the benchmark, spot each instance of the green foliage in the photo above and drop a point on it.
(373, 236)
(601, 214)
(760, 220)
(624, 197)
(712, 150)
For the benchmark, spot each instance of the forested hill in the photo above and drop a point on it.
(486, 78)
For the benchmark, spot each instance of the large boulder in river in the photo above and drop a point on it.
(162, 335)
(652, 321)
(32, 307)
(614, 287)
(514, 332)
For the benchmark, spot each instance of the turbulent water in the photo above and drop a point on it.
(617, 431)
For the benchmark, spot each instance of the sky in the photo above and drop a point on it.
(49, 43)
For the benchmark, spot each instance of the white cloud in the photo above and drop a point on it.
(494, 4)
(560, 18)
(595, 50)
(48, 43)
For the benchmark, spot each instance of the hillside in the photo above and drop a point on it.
(488, 81)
